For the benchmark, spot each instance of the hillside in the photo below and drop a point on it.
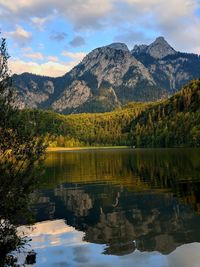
(173, 122)
(86, 129)
(168, 123)
(110, 77)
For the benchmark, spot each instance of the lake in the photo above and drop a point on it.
(122, 207)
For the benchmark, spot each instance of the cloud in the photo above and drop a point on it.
(77, 41)
(77, 56)
(58, 36)
(49, 68)
(82, 14)
(179, 257)
(36, 55)
(130, 37)
(27, 49)
(40, 22)
(124, 17)
(52, 58)
(52, 67)
(20, 35)
(48, 227)
(49, 234)
(160, 17)
(87, 14)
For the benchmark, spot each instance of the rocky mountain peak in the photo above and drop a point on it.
(110, 76)
(111, 57)
(138, 49)
(160, 48)
(108, 51)
(118, 46)
(160, 39)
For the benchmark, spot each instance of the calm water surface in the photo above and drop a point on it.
(118, 208)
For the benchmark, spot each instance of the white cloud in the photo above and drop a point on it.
(87, 13)
(77, 56)
(94, 13)
(177, 20)
(40, 22)
(26, 49)
(20, 35)
(52, 58)
(45, 235)
(49, 68)
(48, 228)
(36, 55)
(11, 4)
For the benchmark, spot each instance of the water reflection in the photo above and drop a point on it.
(144, 200)
(60, 245)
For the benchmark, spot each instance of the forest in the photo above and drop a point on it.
(173, 122)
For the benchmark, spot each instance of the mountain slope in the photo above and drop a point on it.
(109, 77)
(167, 123)
(106, 78)
(173, 122)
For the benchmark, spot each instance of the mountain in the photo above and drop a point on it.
(158, 49)
(170, 69)
(173, 122)
(106, 78)
(109, 77)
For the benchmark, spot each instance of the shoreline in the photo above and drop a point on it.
(60, 149)
(70, 149)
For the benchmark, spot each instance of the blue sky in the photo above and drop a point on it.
(49, 37)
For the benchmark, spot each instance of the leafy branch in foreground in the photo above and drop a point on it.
(20, 152)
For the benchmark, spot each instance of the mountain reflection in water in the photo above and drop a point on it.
(123, 200)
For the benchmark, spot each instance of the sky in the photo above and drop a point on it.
(49, 37)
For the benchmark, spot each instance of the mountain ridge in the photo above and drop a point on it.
(110, 76)
(173, 122)
(158, 49)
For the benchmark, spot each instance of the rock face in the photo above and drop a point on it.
(110, 76)
(170, 69)
(77, 94)
(158, 49)
(33, 90)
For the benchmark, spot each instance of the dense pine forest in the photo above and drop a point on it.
(174, 122)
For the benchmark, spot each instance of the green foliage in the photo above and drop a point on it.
(20, 150)
(173, 122)
(86, 129)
